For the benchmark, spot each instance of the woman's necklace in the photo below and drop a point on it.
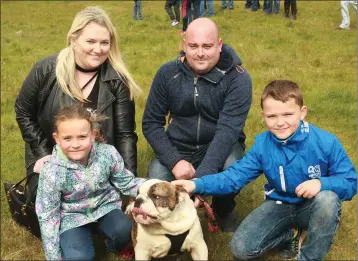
(90, 80)
(87, 70)
(79, 68)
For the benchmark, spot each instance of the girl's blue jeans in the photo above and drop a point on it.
(270, 225)
(77, 243)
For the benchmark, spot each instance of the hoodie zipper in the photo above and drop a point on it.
(196, 95)
(282, 178)
(93, 188)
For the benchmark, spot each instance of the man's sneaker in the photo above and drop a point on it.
(228, 223)
(293, 247)
(174, 23)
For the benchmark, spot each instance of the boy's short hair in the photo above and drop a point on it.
(282, 90)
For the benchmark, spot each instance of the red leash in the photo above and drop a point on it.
(212, 224)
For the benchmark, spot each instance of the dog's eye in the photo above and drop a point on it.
(156, 196)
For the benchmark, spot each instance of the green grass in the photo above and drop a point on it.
(308, 51)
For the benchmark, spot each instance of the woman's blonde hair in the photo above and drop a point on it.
(65, 67)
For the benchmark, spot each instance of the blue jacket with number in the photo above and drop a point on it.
(310, 153)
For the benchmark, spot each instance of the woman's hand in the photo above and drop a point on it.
(40, 162)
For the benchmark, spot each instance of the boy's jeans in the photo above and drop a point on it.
(77, 244)
(224, 4)
(269, 226)
(222, 205)
(210, 8)
(271, 6)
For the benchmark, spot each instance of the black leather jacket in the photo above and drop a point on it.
(40, 98)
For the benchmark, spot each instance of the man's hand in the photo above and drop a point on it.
(39, 163)
(309, 188)
(183, 170)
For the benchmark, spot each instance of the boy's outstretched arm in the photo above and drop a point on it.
(229, 181)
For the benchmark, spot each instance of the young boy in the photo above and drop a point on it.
(308, 176)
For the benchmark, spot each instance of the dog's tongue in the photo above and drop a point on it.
(140, 211)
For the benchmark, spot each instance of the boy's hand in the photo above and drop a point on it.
(188, 185)
(309, 188)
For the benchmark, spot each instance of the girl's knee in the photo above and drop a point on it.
(75, 253)
(122, 228)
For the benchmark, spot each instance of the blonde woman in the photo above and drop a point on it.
(90, 71)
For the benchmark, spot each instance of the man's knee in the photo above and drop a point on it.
(157, 170)
(236, 153)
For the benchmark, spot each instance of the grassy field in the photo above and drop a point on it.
(309, 51)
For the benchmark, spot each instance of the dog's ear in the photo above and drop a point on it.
(180, 194)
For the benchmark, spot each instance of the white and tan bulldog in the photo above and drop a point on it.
(166, 222)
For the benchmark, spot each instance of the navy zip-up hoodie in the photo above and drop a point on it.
(207, 113)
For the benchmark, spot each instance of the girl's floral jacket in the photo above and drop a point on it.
(70, 195)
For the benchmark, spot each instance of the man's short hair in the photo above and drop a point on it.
(282, 90)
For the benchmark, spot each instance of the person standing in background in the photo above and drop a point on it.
(271, 6)
(345, 13)
(293, 5)
(186, 5)
(137, 10)
(224, 4)
(210, 7)
(168, 8)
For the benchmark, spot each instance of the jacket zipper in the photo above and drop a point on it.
(196, 94)
(282, 178)
(90, 180)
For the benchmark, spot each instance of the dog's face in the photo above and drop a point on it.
(156, 199)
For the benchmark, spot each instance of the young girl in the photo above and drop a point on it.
(78, 190)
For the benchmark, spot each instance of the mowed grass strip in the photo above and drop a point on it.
(309, 51)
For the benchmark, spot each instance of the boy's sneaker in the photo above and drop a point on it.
(228, 223)
(174, 23)
(293, 247)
